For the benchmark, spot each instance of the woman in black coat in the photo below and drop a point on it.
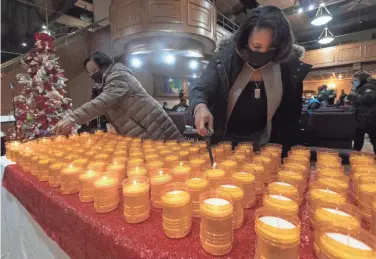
(252, 88)
(363, 97)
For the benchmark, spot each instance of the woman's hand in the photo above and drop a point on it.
(203, 117)
(63, 127)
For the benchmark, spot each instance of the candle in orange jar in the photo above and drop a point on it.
(184, 155)
(185, 144)
(171, 160)
(258, 171)
(344, 215)
(196, 186)
(181, 173)
(87, 180)
(106, 194)
(284, 189)
(158, 182)
(101, 157)
(216, 231)
(43, 170)
(246, 181)
(294, 178)
(70, 179)
(198, 167)
(344, 242)
(278, 235)
(154, 167)
(151, 157)
(177, 210)
(238, 197)
(116, 170)
(136, 171)
(54, 177)
(98, 166)
(267, 163)
(280, 203)
(136, 199)
(318, 195)
(165, 153)
(34, 164)
(218, 153)
(136, 155)
(82, 162)
(229, 167)
(134, 162)
(216, 177)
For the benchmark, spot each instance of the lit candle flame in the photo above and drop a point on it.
(181, 163)
(214, 165)
(161, 172)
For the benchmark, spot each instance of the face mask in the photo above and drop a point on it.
(356, 84)
(259, 59)
(97, 77)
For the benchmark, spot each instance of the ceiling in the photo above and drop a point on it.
(353, 20)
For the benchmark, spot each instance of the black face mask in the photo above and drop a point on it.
(259, 59)
(97, 77)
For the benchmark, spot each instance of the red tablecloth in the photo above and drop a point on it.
(82, 233)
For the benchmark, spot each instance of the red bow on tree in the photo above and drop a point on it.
(44, 37)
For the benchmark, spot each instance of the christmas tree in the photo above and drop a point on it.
(42, 102)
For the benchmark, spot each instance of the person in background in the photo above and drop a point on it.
(313, 104)
(252, 88)
(181, 107)
(164, 106)
(323, 95)
(342, 100)
(332, 96)
(130, 110)
(363, 97)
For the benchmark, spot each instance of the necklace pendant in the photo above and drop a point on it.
(257, 93)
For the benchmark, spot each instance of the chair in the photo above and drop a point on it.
(333, 130)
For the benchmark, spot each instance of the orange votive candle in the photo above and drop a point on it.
(87, 180)
(54, 177)
(215, 177)
(177, 210)
(198, 167)
(184, 155)
(246, 181)
(151, 157)
(229, 167)
(101, 157)
(106, 194)
(294, 178)
(344, 215)
(267, 163)
(82, 162)
(181, 173)
(70, 179)
(196, 186)
(154, 167)
(238, 197)
(216, 229)
(116, 170)
(158, 182)
(136, 171)
(171, 160)
(277, 234)
(344, 242)
(43, 170)
(134, 162)
(34, 164)
(318, 195)
(136, 199)
(284, 189)
(280, 203)
(258, 171)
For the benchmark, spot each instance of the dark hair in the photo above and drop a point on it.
(269, 17)
(362, 76)
(99, 58)
(324, 87)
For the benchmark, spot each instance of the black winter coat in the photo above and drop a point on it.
(364, 100)
(214, 85)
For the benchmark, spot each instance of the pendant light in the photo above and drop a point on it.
(326, 36)
(322, 17)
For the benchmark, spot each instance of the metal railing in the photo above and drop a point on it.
(226, 23)
(13, 64)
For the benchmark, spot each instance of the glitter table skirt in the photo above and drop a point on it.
(83, 233)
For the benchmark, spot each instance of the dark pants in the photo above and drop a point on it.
(359, 138)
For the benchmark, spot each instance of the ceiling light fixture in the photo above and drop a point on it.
(322, 17)
(326, 36)
(311, 7)
(170, 59)
(300, 10)
(44, 27)
(24, 44)
(193, 64)
(136, 62)
(194, 75)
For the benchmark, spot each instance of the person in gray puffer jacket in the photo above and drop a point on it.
(363, 97)
(130, 110)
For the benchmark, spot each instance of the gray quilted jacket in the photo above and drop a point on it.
(128, 107)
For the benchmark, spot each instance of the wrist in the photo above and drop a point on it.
(198, 107)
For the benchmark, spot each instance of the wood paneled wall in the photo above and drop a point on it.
(342, 55)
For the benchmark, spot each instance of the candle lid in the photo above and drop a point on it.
(216, 201)
(277, 222)
(348, 240)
